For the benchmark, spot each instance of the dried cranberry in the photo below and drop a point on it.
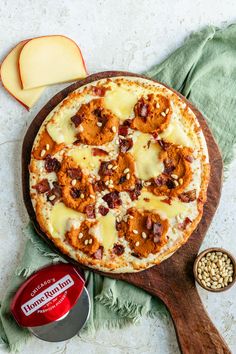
(135, 255)
(187, 197)
(103, 170)
(99, 91)
(74, 173)
(56, 192)
(122, 180)
(103, 210)
(135, 193)
(99, 152)
(118, 249)
(125, 144)
(99, 253)
(75, 192)
(77, 120)
(99, 186)
(118, 226)
(188, 158)
(98, 112)
(169, 167)
(127, 122)
(123, 130)
(112, 199)
(157, 228)
(43, 186)
(155, 135)
(90, 211)
(170, 184)
(52, 164)
(149, 222)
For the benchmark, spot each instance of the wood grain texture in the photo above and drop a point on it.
(172, 281)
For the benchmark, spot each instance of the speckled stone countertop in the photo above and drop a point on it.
(128, 35)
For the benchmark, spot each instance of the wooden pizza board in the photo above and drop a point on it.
(172, 281)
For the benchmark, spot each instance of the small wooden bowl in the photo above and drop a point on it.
(202, 254)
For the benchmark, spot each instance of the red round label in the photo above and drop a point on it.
(47, 295)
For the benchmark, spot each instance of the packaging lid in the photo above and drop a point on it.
(54, 293)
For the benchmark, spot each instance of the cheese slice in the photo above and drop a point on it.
(85, 159)
(107, 230)
(146, 158)
(175, 134)
(121, 102)
(61, 129)
(154, 202)
(63, 218)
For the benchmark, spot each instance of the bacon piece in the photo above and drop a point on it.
(118, 249)
(103, 170)
(99, 253)
(185, 223)
(149, 222)
(125, 144)
(188, 197)
(43, 186)
(160, 181)
(56, 192)
(77, 120)
(188, 158)
(143, 110)
(163, 144)
(157, 228)
(167, 201)
(99, 152)
(52, 164)
(112, 199)
(103, 210)
(75, 192)
(90, 211)
(123, 130)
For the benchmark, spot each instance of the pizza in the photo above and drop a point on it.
(119, 173)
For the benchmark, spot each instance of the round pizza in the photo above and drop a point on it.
(118, 174)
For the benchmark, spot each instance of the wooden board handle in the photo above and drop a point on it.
(195, 332)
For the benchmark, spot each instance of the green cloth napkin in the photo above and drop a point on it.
(204, 70)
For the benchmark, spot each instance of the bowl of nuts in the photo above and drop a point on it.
(215, 269)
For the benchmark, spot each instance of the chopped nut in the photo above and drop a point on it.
(86, 242)
(81, 235)
(52, 197)
(109, 166)
(43, 152)
(73, 182)
(115, 167)
(113, 129)
(163, 114)
(128, 176)
(137, 243)
(174, 176)
(126, 170)
(47, 147)
(82, 196)
(99, 124)
(90, 241)
(144, 235)
(135, 232)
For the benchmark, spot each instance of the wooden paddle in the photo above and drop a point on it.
(172, 281)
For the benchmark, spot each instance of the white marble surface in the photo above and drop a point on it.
(130, 35)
